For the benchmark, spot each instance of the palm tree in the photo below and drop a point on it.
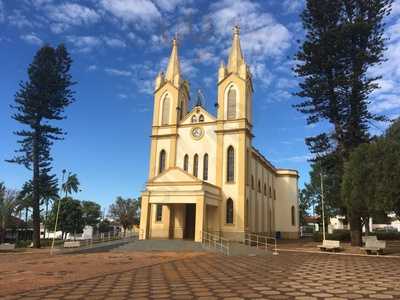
(7, 208)
(71, 184)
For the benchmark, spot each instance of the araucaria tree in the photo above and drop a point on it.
(344, 38)
(41, 100)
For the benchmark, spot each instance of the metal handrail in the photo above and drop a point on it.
(260, 240)
(142, 235)
(217, 242)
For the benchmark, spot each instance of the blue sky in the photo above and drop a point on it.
(118, 46)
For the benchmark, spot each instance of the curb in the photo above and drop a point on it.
(338, 253)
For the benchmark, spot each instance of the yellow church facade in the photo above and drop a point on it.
(204, 173)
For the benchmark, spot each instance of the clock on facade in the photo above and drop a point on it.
(197, 133)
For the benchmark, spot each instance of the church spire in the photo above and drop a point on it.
(235, 60)
(173, 73)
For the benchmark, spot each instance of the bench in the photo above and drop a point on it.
(329, 245)
(72, 244)
(373, 245)
(7, 246)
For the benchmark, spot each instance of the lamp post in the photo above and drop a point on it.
(58, 212)
(322, 201)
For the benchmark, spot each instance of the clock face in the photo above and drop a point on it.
(197, 133)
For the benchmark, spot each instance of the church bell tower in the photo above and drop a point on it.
(171, 101)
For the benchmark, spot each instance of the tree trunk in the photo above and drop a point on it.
(36, 192)
(355, 230)
(2, 231)
(45, 217)
(367, 229)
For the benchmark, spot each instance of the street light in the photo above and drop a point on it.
(322, 201)
(58, 212)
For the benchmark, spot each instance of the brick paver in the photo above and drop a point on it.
(286, 276)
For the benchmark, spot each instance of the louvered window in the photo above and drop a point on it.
(231, 104)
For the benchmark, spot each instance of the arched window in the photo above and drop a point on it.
(161, 161)
(205, 167)
(165, 111)
(195, 165)
(270, 192)
(158, 212)
(186, 162)
(252, 182)
(231, 110)
(230, 170)
(265, 189)
(201, 118)
(194, 119)
(293, 216)
(229, 211)
(259, 186)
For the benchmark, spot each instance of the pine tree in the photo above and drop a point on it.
(40, 101)
(344, 38)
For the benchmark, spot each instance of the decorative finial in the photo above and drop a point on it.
(236, 30)
(175, 39)
(199, 98)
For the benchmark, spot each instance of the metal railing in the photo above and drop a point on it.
(260, 241)
(95, 240)
(142, 234)
(215, 241)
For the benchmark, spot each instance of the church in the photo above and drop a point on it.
(204, 173)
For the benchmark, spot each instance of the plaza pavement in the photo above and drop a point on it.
(289, 275)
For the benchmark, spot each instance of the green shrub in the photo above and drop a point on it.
(23, 244)
(388, 236)
(342, 235)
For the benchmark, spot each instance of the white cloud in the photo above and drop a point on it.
(114, 43)
(292, 6)
(395, 9)
(205, 56)
(122, 96)
(118, 72)
(386, 100)
(84, 43)
(32, 39)
(40, 3)
(70, 14)
(18, 19)
(262, 37)
(2, 12)
(92, 68)
(261, 73)
(269, 41)
(385, 103)
(135, 38)
(168, 5)
(132, 11)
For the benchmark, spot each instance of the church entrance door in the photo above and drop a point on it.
(190, 221)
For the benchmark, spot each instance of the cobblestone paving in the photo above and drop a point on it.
(287, 276)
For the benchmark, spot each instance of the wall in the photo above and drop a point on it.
(286, 197)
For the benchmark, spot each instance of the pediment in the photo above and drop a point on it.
(175, 175)
(197, 111)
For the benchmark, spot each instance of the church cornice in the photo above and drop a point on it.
(160, 136)
(239, 120)
(234, 130)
